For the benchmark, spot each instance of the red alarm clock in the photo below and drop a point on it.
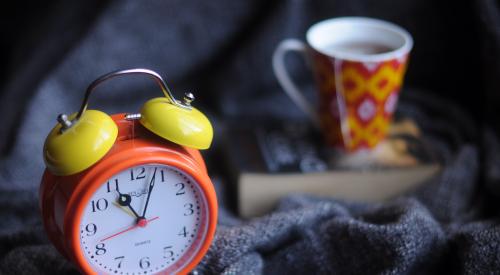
(130, 193)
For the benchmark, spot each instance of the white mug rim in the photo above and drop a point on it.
(386, 26)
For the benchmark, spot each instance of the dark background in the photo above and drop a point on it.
(222, 49)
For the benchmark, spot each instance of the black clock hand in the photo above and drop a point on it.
(125, 200)
(151, 185)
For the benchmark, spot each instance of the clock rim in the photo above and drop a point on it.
(106, 168)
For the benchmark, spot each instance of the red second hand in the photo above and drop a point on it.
(128, 229)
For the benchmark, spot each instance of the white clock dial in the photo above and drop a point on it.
(124, 232)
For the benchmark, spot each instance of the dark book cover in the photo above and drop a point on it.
(296, 147)
(269, 159)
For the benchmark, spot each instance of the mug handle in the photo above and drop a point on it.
(286, 81)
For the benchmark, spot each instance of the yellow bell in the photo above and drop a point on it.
(185, 126)
(72, 150)
(77, 143)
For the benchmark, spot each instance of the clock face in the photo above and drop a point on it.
(147, 219)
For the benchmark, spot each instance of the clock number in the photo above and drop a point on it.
(183, 232)
(100, 205)
(162, 176)
(100, 250)
(167, 250)
(181, 189)
(144, 263)
(109, 188)
(141, 175)
(189, 208)
(91, 229)
(120, 260)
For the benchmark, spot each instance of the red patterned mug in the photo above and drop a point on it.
(358, 64)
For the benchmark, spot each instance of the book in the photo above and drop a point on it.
(269, 160)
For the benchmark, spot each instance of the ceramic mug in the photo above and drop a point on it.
(358, 64)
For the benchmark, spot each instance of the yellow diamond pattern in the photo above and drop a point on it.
(351, 74)
(364, 85)
(370, 134)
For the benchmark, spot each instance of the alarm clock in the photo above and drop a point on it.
(130, 193)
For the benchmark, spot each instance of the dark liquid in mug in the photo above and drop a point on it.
(365, 48)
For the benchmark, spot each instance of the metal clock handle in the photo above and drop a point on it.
(186, 103)
(153, 74)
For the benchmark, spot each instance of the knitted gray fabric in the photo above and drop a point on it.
(441, 227)
(438, 228)
(222, 52)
